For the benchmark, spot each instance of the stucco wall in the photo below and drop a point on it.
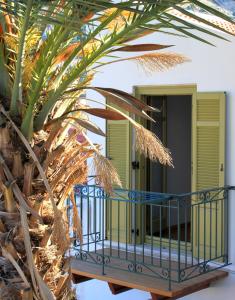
(212, 69)
(98, 290)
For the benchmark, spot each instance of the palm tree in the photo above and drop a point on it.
(49, 53)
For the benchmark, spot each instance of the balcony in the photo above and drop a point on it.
(168, 245)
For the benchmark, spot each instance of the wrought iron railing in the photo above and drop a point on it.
(173, 237)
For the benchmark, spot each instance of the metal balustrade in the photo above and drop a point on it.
(171, 237)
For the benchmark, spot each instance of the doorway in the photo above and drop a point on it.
(174, 128)
(207, 142)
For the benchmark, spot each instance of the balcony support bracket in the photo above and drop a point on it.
(117, 289)
(79, 278)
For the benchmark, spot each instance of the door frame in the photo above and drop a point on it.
(160, 90)
(138, 175)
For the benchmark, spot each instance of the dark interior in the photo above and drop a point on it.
(173, 127)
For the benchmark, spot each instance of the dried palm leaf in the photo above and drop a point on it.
(16, 190)
(33, 156)
(10, 205)
(28, 177)
(130, 98)
(77, 225)
(100, 112)
(122, 102)
(141, 47)
(153, 62)
(88, 17)
(92, 46)
(27, 71)
(6, 146)
(11, 42)
(17, 169)
(65, 53)
(81, 122)
(150, 145)
(103, 113)
(65, 103)
(107, 175)
(138, 33)
(60, 234)
(120, 21)
(7, 17)
(7, 255)
(52, 137)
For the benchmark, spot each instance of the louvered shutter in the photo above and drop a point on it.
(208, 171)
(118, 150)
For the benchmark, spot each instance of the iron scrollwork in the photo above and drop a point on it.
(165, 273)
(99, 192)
(97, 237)
(204, 268)
(81, 255)
(182, 275)
(205, 196)
(132, 195)
(81, 190)
(135, 268)
(100, 259)
(225, 194)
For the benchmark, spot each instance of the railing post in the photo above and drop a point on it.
(142, 229)
(226, 219)
(111, 225)
(169, 237)
(118, 233)
(179, 233)
(151, 230)
(135, 216)
(204, 234)
(192, 231)
(127, 206)
(103, 229)
(160, 213)
(88, 220)
(95, 215)
(198, 232)
(186, 230)
(81, 212)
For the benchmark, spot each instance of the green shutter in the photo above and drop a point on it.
(118, 150)
(208, 140)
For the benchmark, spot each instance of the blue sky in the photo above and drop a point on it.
(227, 4)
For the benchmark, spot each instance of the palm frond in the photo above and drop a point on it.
(107, 175)
(49, 53)
(54, 68)
(152, 62)
(17, 87)
(150, 145)
(141, 48)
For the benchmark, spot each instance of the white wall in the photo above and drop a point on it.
(99, 290)
(212, 69)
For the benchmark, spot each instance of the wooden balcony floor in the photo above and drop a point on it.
(120, 280)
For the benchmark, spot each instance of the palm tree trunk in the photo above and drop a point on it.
(34, 235)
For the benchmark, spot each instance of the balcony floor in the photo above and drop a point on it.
(121, 280)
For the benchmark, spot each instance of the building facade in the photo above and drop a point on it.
(202, 90)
